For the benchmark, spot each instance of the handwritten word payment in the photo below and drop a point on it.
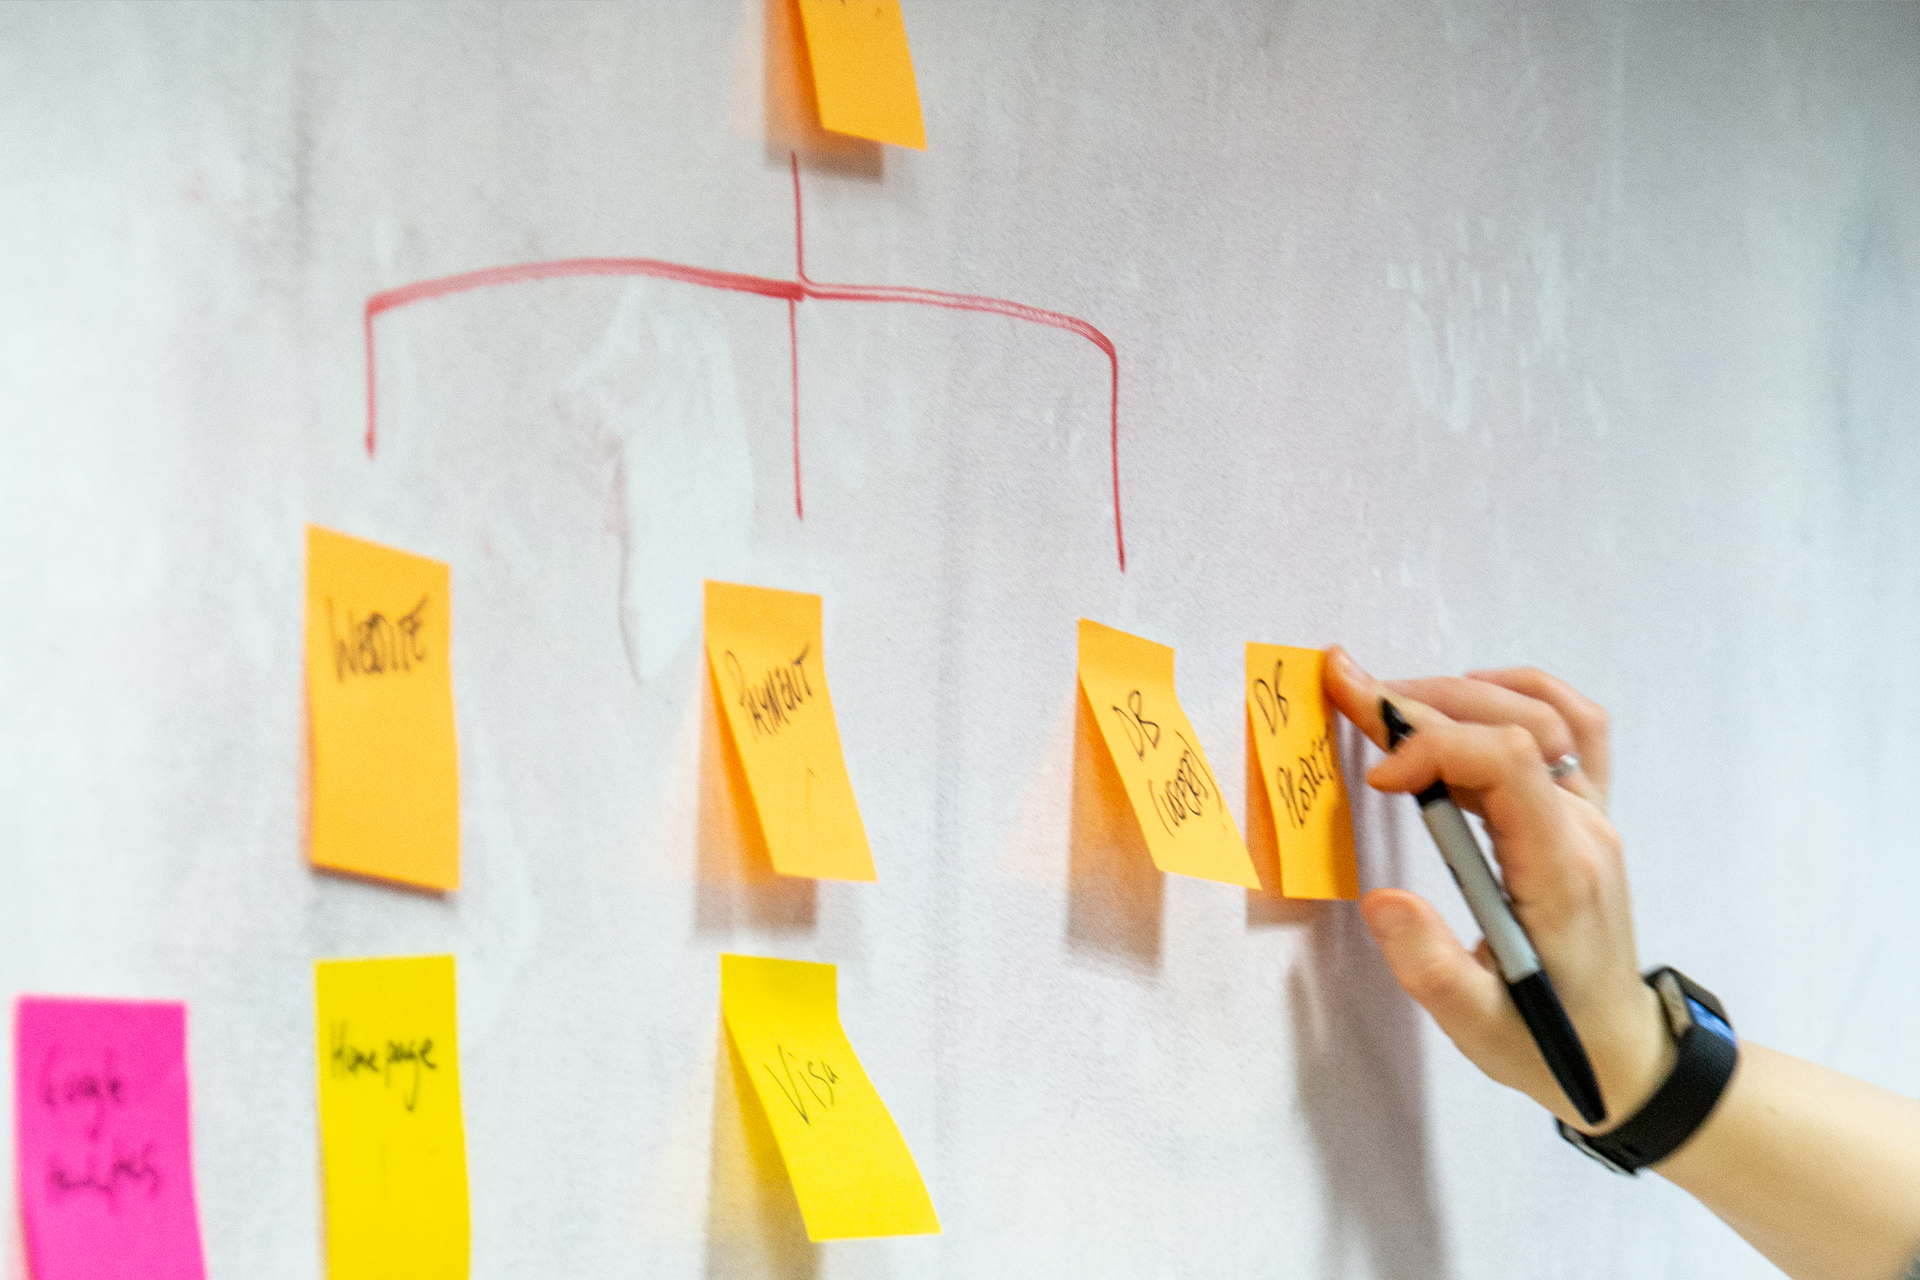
(772, 698)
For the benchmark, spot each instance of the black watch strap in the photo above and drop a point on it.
(1707, 1051)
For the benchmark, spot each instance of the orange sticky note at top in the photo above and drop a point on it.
(863, 71)
(770, 681)
(1128, 685)
(386, 774)
(850, 1167)
(1292, 729)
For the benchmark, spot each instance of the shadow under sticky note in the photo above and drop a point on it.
(863, 70)
(1291, 724)
(103, 1138)
(1128, 683)
(392, 1139)
(770, 681)
(850, 1167)
(386, 775)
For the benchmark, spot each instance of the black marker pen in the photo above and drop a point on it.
(1513, 952)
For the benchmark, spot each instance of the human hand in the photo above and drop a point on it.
(1490, 738)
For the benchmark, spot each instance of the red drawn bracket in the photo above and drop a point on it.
(793, 291)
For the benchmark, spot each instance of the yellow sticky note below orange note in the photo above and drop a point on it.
(851, 1170)
(1292, 728)
(391, 1137)
(386, 774)
(1128, 685)
(863, 70)
(764, 652)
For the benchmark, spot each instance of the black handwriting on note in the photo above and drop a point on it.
(1301, 782)
(377, 644)
(1141, 732)
(127, 1166)
(413, 1057)
(806, 1083)
(82, 1087)
(772, 698)
(1188, 793)
(1272, 702)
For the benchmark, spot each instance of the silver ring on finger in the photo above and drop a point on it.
(1566, 764)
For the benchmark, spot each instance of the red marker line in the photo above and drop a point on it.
(794, 291)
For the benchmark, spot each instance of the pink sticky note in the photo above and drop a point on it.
(104, 1140)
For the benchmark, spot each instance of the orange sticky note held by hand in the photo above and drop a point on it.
(1128, 685)
(863, 71)
(1292, 729)
(392, 1140)
(386, 772)
(850, 1167)
(764, 654)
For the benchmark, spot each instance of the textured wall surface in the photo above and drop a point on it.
(1462, 333)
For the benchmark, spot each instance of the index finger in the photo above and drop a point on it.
(1533, 839)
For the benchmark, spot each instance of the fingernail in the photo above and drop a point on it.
(1348, 667)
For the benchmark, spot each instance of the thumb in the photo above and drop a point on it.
(1428, 962)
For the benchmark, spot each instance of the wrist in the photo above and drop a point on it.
(1632, 1054)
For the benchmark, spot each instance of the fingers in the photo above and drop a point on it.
(1465, 996)
(1488, 702)
(1585, 719)
(1495, 769)
(1358, 696)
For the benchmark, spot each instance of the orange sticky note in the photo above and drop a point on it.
(764, 654)
(1128, 685)
(386, 775)
(850, 1167)
(1292, 729)
(863, 71)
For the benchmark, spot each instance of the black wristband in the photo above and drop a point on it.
(1707, 1052)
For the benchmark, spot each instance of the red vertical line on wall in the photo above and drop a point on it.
(793, 340)
(799, 232)
(371, 415)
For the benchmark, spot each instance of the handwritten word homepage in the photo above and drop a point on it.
(850, 1168)
(386, 777)
(104, 1140)
(391, 1137)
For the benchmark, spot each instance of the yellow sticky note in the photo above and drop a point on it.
(1292, 729)
(863, 71)
(1128, 685)
(764, 653)
(386, 773)
(850, 1168)
(391, 1137)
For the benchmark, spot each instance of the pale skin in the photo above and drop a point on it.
(1818, 1171)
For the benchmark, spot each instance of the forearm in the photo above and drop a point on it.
(1817, 1170)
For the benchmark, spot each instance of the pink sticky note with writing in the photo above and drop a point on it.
(104, 1140)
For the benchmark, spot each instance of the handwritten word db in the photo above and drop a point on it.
(1127, 682)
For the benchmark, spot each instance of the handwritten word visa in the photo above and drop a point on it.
(392, 1137)
(850, 1167)
(1291, 725)
(1127, 683)
(770, 684)
(104, 1140)
(386, 786)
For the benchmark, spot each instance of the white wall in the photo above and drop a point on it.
(1461, 333)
